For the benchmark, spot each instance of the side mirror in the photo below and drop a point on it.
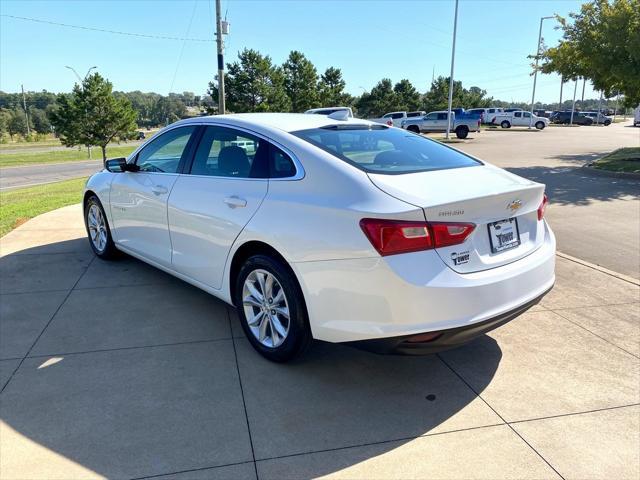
(118, 165)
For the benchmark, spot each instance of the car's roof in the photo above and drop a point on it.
(288, 122)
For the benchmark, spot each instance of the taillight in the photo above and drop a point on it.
(390, 237)
(542, 207)
(446, 234)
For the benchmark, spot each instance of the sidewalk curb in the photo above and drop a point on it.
(606, 271)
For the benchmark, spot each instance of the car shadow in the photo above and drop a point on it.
(336, 396)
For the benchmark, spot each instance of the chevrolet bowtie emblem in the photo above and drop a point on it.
(514, 206)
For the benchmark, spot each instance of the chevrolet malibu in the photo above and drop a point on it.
(329, 228)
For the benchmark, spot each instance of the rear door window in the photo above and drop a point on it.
(226, 152)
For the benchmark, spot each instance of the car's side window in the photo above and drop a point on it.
(226, 152)
(442, 116)
(526, 114)
(431, 116)
(280, 164)
(517, 114)
(163, 154)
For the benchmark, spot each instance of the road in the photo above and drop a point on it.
(596, 219)
(29, 175)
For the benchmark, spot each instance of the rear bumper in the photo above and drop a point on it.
(446, 339)
(404, 295)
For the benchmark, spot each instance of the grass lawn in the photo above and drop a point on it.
(621, 160)
(59, 156)
(19, 205)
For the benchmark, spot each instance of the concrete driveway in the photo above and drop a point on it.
(114, 369)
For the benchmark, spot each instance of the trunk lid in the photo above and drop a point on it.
(481, 195)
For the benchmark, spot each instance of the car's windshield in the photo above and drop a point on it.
(380, 149)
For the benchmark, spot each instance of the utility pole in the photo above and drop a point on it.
(584, 84)
(561, 85)
(453, 58)
(599, 103)
(221, 109)
(573, 108)
(535, 72)
(615, 112)
(24, 105)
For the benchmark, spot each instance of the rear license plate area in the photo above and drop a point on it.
(504, 235)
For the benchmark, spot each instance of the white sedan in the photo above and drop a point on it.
(334, 229)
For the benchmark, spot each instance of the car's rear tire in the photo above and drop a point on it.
(505, 124)
(98, 231)
(608, 122)
(271, 308)
(540, 125)
(414, 129)
(462, 131)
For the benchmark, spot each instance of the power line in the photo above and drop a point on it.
(103, 30)
(193, 12)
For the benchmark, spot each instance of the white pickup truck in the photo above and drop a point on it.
(437, 122)
(520, 119)
(394, 119)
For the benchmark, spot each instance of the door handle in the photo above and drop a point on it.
(159, 189)
(235, 201)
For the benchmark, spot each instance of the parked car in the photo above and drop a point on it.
(392, 119)
(636, 117)
(579, 118)
(437, 122)
(327, 221)
(599, 118)
(521, 119)
(482, 112)
(330, 110)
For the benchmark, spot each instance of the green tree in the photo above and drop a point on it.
(41, 123)
(4, 122)
(93, 115)
(166, 110)
(602, 44)
(407, 97)
(17, 124)
(301, 82)
(253, 84)
(380, 100)
(331, 89)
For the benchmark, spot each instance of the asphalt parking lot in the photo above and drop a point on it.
(114, 369)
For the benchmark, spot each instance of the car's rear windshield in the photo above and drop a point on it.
(380, 149)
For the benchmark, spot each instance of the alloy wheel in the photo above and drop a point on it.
(97, 227)
(265, 308)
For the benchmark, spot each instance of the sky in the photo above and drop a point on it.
(367, 39)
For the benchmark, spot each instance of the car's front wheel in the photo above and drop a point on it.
(505, 124)
(540, 125)
(271, 308)
(98, 231)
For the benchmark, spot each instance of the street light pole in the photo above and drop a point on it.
(453, 58)
(535, 72)
(221, 106)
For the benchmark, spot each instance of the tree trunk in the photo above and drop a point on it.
(104, 154)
